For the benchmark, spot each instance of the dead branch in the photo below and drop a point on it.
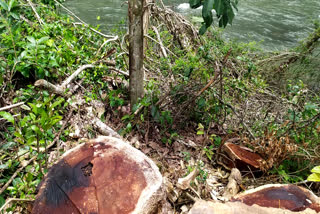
(160, 42)
(60, 89)
(177, 25)
(14, 199)
(119, 71)
(149, 37)
(74, 75)
(109, 40)
(55, 89)
(35, 12)
(11, 106)
(104, 129)
(101, 126)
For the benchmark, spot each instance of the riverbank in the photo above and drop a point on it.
(200, 92)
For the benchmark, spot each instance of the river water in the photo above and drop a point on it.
(275, 24)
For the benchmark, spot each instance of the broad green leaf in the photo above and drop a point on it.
(34, 108)
(314, 177)
(42, 40)
(219, 7)
(14, 15)
(230, 14)
(7, 116)
(25, 107)
(3, 5)
(203, 29)
(36, 129)
(31, 39)
(56, 103)
(316, 169)
(200, 132)
(207, 12)
(195, 3)
(50, 42)
(11, 4)
(8, 145)
(2, 201)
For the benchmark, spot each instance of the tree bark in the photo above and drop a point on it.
(136, 47)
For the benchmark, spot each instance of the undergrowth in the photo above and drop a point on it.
(215, 88)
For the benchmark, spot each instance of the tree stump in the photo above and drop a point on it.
(103, 176)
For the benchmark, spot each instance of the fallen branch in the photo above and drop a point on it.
(104, 129)
(35, 11)
(160, 42)
(14, 199)
(109, 40)
(11, 106)
(149, 37)
(119, 71)
(60, 89)
(101, 126)
(75, 74)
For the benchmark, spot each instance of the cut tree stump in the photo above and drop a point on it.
(267, 199)
(102, 176)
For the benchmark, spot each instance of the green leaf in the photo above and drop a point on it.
(11, 4)
(195, 3)
(316, 169)
(31, 39)
(7, 116)
(56, 103)
(314, 177)
(2, 201)
(36, 129)
(207, 12)
(14, 15)
(3, 5)
(230, 14)
(219, 7)
(200, 132)
(203, 29)
(43, 39)
(8, 145)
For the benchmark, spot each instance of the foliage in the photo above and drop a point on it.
(315, 176)
(224, 11)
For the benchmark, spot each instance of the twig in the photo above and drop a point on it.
(237, 114)
(119, 71)
(82, 22)
(160, 42)
(149, 37)
(36, 14)
(15, 199)
(109, 40)
(11, 106)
